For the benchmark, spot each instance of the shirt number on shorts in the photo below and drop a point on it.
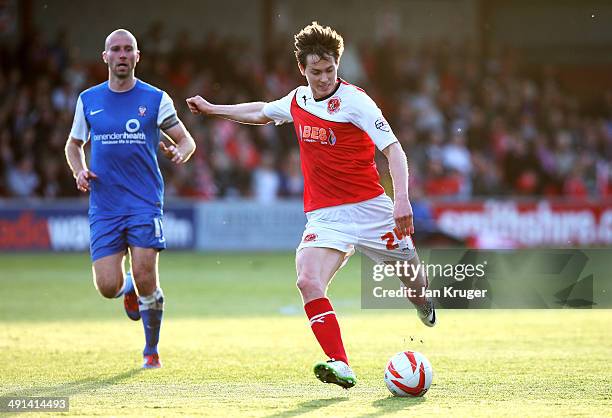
(390, 237)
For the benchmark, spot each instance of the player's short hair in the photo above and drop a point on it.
(318, 40)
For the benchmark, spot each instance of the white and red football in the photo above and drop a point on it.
(408, 374)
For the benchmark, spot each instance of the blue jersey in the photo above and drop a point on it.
(123, 128)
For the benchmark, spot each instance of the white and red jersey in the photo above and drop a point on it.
(337, 135)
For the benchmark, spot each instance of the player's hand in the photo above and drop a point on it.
(172, 153)
(83, 178)
(402, 212)
(199, 105)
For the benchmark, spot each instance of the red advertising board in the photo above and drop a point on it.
(527, 224)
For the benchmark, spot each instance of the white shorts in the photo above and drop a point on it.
(367, 226)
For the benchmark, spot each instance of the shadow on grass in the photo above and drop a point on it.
(392, 404)
(73, 388)
(308, 407)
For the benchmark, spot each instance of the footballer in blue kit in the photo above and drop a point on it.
(122, 119)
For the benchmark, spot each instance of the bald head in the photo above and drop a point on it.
(119, 33)
(121, 55)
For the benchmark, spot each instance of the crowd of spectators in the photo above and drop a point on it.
(471, 124)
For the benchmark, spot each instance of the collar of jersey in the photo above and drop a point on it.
(121, 92)
(339, 81)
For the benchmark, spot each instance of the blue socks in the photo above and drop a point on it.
(151, 310)
(128, 285)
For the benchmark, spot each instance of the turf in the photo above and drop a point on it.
(235, 343)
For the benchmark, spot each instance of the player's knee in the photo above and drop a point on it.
(145, 278)
(143, 273)
(108, 286)
(309, 283)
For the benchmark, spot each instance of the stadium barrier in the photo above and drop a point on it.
(63, 225)
(543, 223)
(250, 226)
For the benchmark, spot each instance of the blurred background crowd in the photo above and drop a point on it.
(471, 124)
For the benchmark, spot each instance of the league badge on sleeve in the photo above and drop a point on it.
(333, 106)
(381, 124)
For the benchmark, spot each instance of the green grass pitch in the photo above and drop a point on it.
(235, 342)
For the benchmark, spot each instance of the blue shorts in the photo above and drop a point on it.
(113, 234)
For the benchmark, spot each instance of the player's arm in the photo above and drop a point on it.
(75, 155)
(366, 115)
(250, 113)
(183, 145)
(398, 167)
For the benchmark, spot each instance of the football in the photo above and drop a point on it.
(408, 374)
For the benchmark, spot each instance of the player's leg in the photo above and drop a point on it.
(315, 268)
(417, 282)
(108, 247)
(108, 275)
(150, 300)
(130, 298)
(424, 306)
(381, 241)
(326, 244)
(146, 238)
(112, 282)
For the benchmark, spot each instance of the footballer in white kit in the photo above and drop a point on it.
(338, 128)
